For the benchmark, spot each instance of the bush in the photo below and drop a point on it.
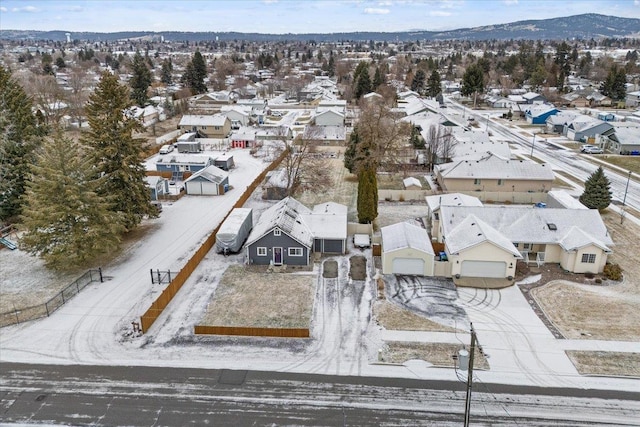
(598, 280)
(589, 275)
(612, 272)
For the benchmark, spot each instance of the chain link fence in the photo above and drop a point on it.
(44, 310)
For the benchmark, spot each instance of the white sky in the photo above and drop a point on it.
(290, 16)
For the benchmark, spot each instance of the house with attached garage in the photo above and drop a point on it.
(584, 127)
(537, 114)
(178, 164)
(288, 233)
(406, 249)
(434, 203)
(210, 181)
(494, 173)
(487, 241)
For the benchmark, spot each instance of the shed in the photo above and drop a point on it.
(158, 186)
(224, 161)
(406, 249)
(210, 181)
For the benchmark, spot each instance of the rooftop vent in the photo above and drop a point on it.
(552, 226)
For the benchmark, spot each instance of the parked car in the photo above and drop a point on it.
(166, 149)
(594, 150)
(586, 147)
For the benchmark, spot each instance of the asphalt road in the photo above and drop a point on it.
(147, 396)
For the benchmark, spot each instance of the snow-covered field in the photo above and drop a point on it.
(95, 326)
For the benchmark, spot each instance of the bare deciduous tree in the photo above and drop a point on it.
(440, 145)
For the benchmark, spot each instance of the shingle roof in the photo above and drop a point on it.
(472, 231)
(209, 120)
(530, 225)
(492, 166)
(451, 199)
(210, 173)
(404, 235)
(287, 216)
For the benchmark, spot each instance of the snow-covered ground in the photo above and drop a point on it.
(95, 326)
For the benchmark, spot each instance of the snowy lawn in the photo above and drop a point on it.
(266, 300)
(606, 363)
(437, 354)
(392, 317)
(609, 312)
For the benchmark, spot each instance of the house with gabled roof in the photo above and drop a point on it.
(494, 173)
(584, 127)
(329, 117)
(435, 202)
(207, 126)
(210, 181)
(577, 239)
(288, 233)
(537, 114)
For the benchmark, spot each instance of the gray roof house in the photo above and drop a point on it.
(583, 127)
(288, 232)
(577, 239)
(626, 139)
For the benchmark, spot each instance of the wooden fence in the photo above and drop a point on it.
(153, 312)
(252, 332)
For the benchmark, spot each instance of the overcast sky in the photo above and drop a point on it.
(291, 16)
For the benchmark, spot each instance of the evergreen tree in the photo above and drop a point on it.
(416, 139)
(597, 194)
(60, 62)
(378, 79)
(195, 73)
(65, 221)
(473, 82)
(116, 153)
(351, 151)
(367, 195)
(434, 86)
(18, 131)
(417, 84)
(166, 73)
(140, 80)
(363, 84)
(614, 86)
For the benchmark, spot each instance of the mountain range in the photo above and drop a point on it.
(584, 26)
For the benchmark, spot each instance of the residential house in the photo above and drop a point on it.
(288, 232)
(209, 126)
(237, 115)
(492, 238)
(584, 127)
(406, 249)
(325, 135)
(534, 98)
(557, 122)
(537, 114)
(474, 144)
(212, 101)
(275, 133)
(575, 100)
(178, 164)
(210, 181)
(328, 117)
(243, 138)
(494, 173)
(633, 99)
(625, 139)
(158, 186)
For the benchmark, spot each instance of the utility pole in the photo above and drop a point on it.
(467, 408)
(624, 199)
(533, 143)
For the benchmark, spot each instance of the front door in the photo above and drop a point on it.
(277, 256)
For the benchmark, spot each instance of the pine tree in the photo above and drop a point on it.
(351, 151)
(473, 82)
(378, 79)
(195, 73)
(367, 195)
(167, 69)
(434, 85)
(65, 221)
(363, 85)
(116, 153)
(140, 80)
(417, 84)
(19, 130)
(597, 194)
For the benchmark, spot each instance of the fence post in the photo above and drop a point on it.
(159, 277)
(62, 295)
(16, 313)
(151, 271)
(46, 307)
(169, 275)
(100, 273)
(77, 287)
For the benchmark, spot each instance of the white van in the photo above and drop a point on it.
(166, 149)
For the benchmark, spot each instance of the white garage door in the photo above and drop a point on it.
(408, 266)
(484, 269)
(209, 188)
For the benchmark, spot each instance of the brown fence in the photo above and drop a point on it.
(252, 332)
(153, 312)
(25, 314)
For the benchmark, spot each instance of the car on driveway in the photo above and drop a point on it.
(593, 150)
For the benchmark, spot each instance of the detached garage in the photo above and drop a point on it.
(406, 249)
(210, 181)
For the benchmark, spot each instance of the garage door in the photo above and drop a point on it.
(414, 266)
(209, 188)
(484, 269)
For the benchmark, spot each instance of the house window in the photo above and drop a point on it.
(476, 182)
(277, 232)
(295, 252)
(527, 246)
(517, 245)
(204, 127)
(262, 251)
(500, 182)
(588, 258)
